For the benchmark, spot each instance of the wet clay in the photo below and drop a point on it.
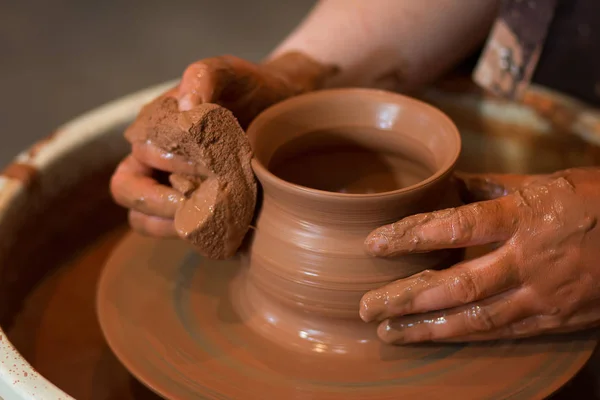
(25, 173)
(542, 277)
(323, 160)
(313, 276)
(179, 330)
(218, 207)
(255, 87)
(57, 330)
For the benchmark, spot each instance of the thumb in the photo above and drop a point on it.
(202, 82)
(481, 187)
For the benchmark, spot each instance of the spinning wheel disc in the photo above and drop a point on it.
(167, 315)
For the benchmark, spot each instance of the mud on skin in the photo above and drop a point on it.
(541, 277)
(187, 154)
(212, 203)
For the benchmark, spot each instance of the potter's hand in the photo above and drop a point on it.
(241, 86)
(542, 278)
(246, 88)
(134, 185)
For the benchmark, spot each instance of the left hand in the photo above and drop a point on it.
(544, 277)
(243, 87)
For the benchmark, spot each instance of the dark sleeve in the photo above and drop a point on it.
(570, 60)
(553, 43)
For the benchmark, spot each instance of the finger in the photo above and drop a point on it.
(481, 187)
(525, 328)
(153, 156)
(489, 317)
(470, 225)
(151, 226)
(199, 83)
(587, 317)
(427, 291)
(132, 187)
(584, 318)
(538, 325)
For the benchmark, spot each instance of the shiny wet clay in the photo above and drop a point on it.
(325, 160)
(316, 157)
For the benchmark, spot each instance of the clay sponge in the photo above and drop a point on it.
(218, 208)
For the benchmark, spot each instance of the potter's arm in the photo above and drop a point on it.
(392, 44)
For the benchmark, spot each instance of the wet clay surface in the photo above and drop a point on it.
(306, 252)
(180, 330)
(214, 207)
(57, 330)
(350, 168)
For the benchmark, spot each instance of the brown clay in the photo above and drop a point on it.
(324, 160)
(25, 173)
(244, 88)
(179, 330)
(57, 331)
(212, 212)
(247, 88)
(319, 265)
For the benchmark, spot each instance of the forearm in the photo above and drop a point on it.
(391, 44)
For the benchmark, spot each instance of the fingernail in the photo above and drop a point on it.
(389, 334)
(374, 306)
(377, 244)
(366, 311)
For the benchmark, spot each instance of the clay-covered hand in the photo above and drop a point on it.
(152, 203)
(244, 88)
(247, 88)
(541, 276)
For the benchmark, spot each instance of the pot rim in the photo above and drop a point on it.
(376, 94)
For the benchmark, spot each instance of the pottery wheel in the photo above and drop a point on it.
(167, 315)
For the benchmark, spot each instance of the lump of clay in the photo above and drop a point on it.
(219, 207)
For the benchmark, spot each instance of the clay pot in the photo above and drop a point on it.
(308, 247)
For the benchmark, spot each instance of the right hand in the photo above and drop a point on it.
(244, 88)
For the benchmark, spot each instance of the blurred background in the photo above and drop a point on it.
(61, 58)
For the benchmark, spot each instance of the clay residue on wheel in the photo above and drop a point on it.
(27, 174)
(218, 208)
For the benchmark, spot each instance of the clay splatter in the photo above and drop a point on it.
(25, 173)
